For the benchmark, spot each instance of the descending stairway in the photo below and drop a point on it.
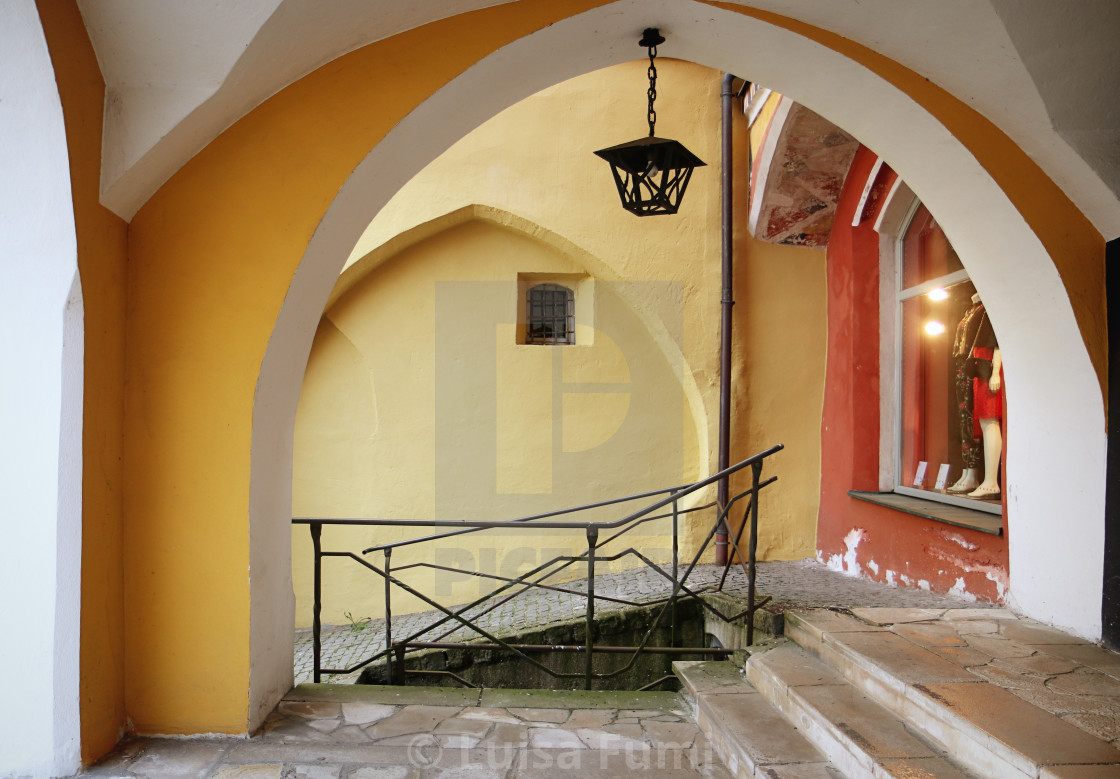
(842, 697)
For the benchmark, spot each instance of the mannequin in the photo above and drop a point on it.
(986, 363)
(967, 329)
(992, 434)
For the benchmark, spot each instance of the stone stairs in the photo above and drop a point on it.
(845, 697)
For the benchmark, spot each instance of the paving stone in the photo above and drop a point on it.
(506, 735)
(366, 713)
(922, 768)
(888, 616)
(756, 728)
(1026, 632)
(871, 728)
(821, 621)
(310, 709)
(174, 758)
(1040, 736)
(311, 753)
(324, 725)
(541, 715)
(554, 738)
(1080, 772)
(314, 771)
(350, 734)
(384, 772)
(273, 771)
(478, 762)
(802, 771)
(795, 667)
(297, 730)
(1038, 664)
(1086, 654)
(1010, 679)
(1103, 726)
(628, 730)
(602, 739)
(466, 727)
(411, 719)
(489, 715)
(1086, 681)
(900, 658)
(458, 740)
(973, 627)
(670, 735)
(704, 677)
(998, 647)
(590, 764)
(589, 718)
(964, 656)
(955, 615)
(930, 634)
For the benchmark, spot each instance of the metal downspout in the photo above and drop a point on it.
(726, 303)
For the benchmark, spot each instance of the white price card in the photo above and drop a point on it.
(920, 474)
(942, 476)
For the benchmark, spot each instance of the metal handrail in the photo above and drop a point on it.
(394, 652)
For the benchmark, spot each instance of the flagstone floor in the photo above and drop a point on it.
(363, 732)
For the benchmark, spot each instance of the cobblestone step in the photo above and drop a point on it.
(752, 737)
(937, 671)
(859, 736)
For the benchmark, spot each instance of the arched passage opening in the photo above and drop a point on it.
(909, 123)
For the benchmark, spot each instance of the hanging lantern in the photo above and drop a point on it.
(651, 173)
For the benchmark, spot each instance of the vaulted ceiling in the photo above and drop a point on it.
(177, 74)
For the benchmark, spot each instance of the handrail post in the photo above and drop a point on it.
(589, 619)
(756, 473)
(388, 616)
(673, 596)
(317, 605)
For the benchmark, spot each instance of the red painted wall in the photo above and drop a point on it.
(873, 541)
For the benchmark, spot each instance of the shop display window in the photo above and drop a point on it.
(942, 325)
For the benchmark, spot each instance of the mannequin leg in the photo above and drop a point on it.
(993, 447)
(968, 481)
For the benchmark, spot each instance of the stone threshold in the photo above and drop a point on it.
(938, 512)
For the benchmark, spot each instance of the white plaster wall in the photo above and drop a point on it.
(1046, 365)
(40, 411)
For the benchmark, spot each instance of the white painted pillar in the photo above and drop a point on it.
(41, 360)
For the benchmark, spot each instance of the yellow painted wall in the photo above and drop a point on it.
(366, 436)
(418, 402)
(211, 256)
(101, 265)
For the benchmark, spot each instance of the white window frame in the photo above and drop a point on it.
(899, 207)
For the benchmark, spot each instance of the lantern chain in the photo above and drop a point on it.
(652, 91)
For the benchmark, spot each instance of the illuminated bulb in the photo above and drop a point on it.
(938, 294)
(933, 327)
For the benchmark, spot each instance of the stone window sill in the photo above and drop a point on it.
(938, 512)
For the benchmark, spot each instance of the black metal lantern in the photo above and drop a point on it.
(651, 173)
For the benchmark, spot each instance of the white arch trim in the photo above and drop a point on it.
(1047, 365)
(41, 351)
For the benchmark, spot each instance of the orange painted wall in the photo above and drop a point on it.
(101, 264)
(901, 543)
(211, 256)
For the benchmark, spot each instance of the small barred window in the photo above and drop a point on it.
(550, 309)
